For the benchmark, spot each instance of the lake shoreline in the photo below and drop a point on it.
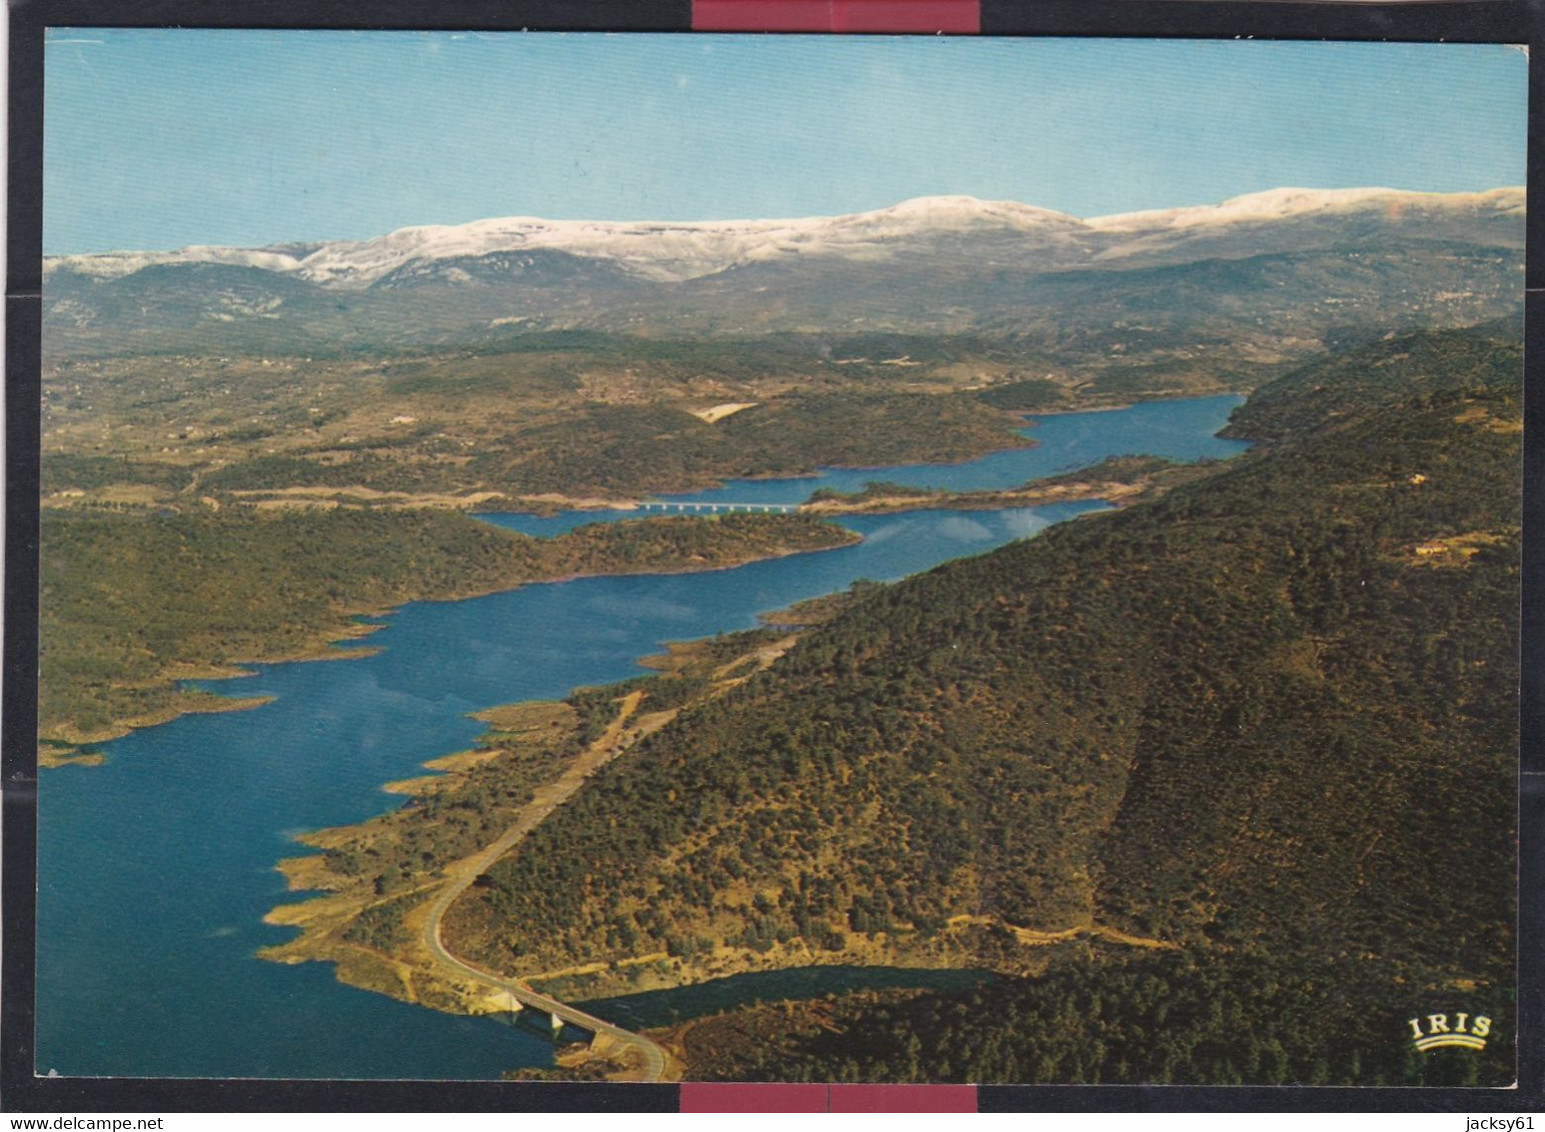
(316, 759)
(328, 649)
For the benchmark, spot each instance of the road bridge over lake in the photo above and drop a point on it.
(720, 508)
(460, 875)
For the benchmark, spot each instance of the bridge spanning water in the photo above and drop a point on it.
(123, 994)
(677, 505)
(652, 1061)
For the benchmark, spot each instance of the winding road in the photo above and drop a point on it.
(460, 875)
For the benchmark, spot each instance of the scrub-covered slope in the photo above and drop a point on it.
(1274, 708)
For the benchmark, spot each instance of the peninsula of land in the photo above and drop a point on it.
(137, 613)
(1320, 626)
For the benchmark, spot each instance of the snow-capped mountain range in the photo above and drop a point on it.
(1279, 271)
(679, 251)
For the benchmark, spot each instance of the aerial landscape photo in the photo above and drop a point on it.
(729, 558)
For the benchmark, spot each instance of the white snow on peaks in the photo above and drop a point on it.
(663, 251)
(667, 250)
(676, 251)
(111, 265)
(964, 211)
(1283, 204)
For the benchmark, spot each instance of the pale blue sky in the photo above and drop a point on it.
(162, 138)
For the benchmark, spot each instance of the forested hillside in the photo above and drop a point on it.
(1162, 1019)
(133, 604)
(1273, 711)
(1346, 387)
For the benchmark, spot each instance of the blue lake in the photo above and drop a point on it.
(156, 868)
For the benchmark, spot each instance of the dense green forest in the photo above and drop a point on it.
(1166, 1019)
(132, 604)
(1251, 715)
(1346, 387)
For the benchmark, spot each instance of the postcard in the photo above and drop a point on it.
(690, 557)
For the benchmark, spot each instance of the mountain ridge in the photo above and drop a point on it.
(1267, 672)
(1278, 275)
(675, 251)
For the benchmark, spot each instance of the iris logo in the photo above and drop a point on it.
(1466, 1032)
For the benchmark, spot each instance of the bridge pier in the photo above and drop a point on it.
(720, 508)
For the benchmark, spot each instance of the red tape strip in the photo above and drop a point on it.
(955, 17)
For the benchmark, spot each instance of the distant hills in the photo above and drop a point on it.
(676, 252)
(1255, 739)
(1271, 271)
(1249, 715)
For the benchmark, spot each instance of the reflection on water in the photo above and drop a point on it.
(667, 1007)
(1180, 430)
(155, 869)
